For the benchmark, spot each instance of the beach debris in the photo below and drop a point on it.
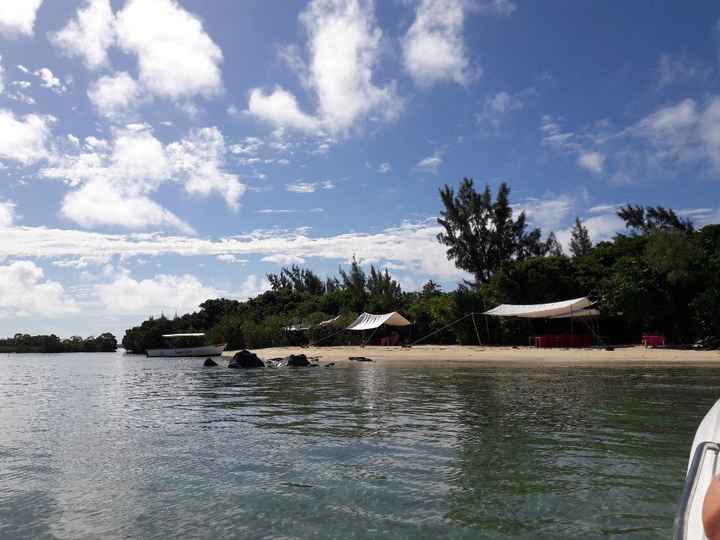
(359, 359)
(245, 360)
(209, 362)
(297, 360)
(609, 348)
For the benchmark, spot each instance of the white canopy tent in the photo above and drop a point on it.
(553, 310)
(368, 321)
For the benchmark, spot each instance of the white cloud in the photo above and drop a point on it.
(499, 105)
(176, 57)
(25, 292)
(115, 96)
(115, 182)
(592, 161)
(17, 17)
(252, 286)
(309, 187)
(89, 35)
(600, 228)
(200, 157)
(679, 68)
(248, 146)
(283, 259)
(162, 293)
(710, 131)
(7, 214)
(383, 168)
(414, 245)
(2, 77)
(25, 140)
(430, 164)
(433, 48)
(549, 212)
(100, 203)
(343, 46)
(280, 108)
(229, 258)
(50, 81)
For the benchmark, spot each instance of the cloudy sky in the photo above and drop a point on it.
(154, 153)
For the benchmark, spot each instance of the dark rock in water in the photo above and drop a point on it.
(209, 362)
(297, 360)
(331, 364)
(359, 359)
(245, 360)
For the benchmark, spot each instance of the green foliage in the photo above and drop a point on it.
(482, 236)
(662, 277)
(25, 343)
(580, 243)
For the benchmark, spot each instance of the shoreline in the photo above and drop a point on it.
(528, 356)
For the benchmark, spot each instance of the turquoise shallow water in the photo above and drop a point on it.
(113, 446)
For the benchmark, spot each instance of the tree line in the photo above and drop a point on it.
(25, 343)
(659, 275)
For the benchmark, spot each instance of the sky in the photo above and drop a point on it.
(156, 153)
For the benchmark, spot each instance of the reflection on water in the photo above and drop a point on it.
(117, 446)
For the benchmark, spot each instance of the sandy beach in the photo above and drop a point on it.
(452, 354)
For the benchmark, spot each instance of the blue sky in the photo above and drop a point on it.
(155, 153)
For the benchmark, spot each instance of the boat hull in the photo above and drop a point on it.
(205, 350)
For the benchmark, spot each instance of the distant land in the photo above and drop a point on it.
(25, 343)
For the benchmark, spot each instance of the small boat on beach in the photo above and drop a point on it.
(181, 345)
(704, 464)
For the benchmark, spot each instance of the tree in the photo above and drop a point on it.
(482, 236)
(431, 289)
(580, 243)
(647, 219)
(553, 247)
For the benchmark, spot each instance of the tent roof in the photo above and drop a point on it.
(198, 334)
(368, 321)
(581, 313)
(539, 311)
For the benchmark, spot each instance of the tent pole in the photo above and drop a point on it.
(477, 333)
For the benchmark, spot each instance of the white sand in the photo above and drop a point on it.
(443, 354)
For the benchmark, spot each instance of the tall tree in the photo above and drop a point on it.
(482, 236)
(580, 243)
(653, 218)
(553, 247)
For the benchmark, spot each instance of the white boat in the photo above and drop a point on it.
(200, 350)
(702, 467)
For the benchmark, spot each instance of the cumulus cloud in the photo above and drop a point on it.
(200, 157)
(162, 293)
(115, 96)
(252, 286)
(114, 182)
(25, 292)
(343, 47)
(176, 57)
(49, 80)
(283, 259)
(89, 35)
(280, 108)
(383, 168)
(592, 161)
(7, 214)
(547, 213)
(25, 139)
(17, 18)
(433, 48)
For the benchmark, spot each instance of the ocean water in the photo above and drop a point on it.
(115, 446)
